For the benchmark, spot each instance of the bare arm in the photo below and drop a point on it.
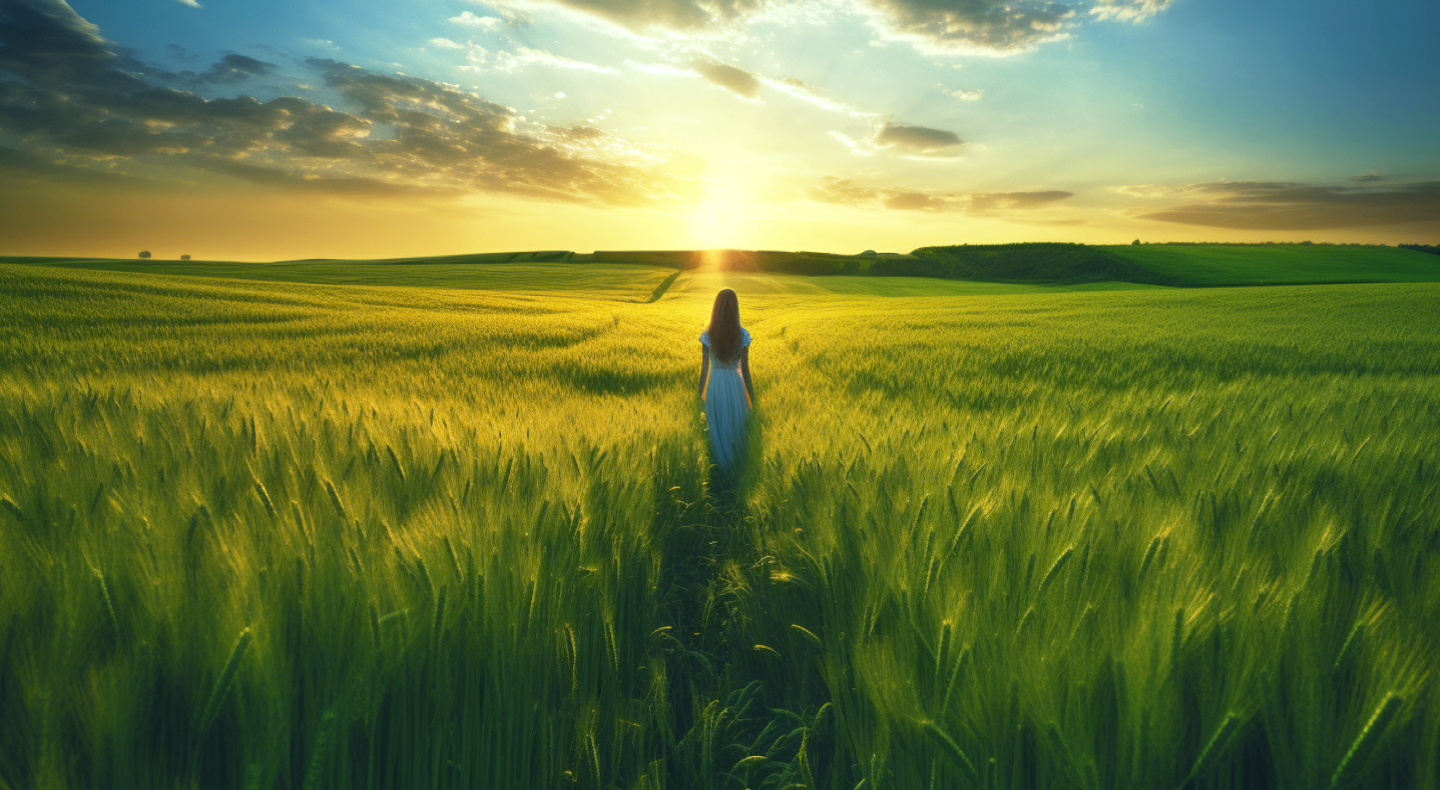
(704, 368)
(745, 371)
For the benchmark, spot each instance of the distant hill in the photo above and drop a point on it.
(1179, 265)
(812, 263)
(543, 256)
(1175, 265)
(1276, 264)
(1045, 262)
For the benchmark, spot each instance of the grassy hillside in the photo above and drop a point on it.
(1182, 265)
(1059, 263)
(258, 534)
(805, 263)
(1280, 264)
(706, 283)
(608, 281)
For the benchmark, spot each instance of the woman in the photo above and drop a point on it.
(725, 347)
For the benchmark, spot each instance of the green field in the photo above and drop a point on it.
(1174, 265)
(1283, 264)
(601, 279)
(464, 533)
(963, 270)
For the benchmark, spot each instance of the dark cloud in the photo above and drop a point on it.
(65, 89)
(1372, 175)
(846, 191)
(306, 182)
(46, 44)
(23, 166)
(977, 25)
(736, 80)
(235, 69)
(916, 139)
(180, 53)
(1265, 205)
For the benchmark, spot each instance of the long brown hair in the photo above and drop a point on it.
(725, 326)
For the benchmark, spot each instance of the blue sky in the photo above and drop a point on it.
(822, 125)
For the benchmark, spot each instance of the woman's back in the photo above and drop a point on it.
(715, 361)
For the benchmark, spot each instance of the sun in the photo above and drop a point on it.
(717, 223)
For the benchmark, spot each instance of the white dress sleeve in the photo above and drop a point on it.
(705, 338)
(744, 337)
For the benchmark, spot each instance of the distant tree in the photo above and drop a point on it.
(184, 257)
(1135, 243)
(144, 253)
(870, 254)
(1307, 241)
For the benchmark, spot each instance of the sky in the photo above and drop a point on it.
(284, 129)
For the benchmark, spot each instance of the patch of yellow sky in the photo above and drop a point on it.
(255, 223)
(245, 222)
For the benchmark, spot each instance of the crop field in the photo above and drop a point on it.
(462, 531)
(597, 280)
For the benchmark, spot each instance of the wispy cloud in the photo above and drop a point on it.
(649, 15)
(857, 147)
(747, 84)
(471, 19)
(848, 192)
(809, 93)
(525, 56)
(964, 95)
(986, 27)
(235, 69)
(660, 69)
(1129, 10)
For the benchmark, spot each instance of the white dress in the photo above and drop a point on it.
(727, 405)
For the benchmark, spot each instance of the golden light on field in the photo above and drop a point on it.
(439, 470)
(713, 261)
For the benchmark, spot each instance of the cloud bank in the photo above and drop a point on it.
(71, 102)
(975, 26)
(1274, 205)
(990, 27)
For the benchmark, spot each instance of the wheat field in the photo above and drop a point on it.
(296, 535)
